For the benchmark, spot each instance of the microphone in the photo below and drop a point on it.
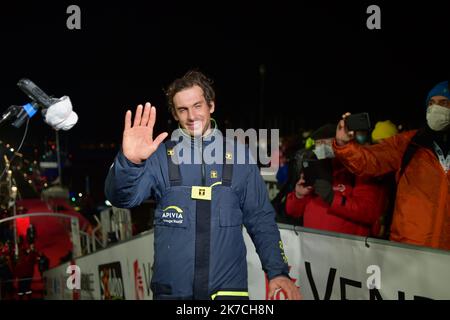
(58, 113)
(35, 93)
(38, 99)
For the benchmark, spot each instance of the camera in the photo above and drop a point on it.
(306, 161)
(317, 169)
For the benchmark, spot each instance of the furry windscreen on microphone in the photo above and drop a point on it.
(60, 115)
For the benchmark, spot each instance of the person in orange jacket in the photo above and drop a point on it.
(341, 202)
(421, 160)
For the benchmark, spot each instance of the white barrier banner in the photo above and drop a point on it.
(334, 267)
(122, 271)
(324, 266)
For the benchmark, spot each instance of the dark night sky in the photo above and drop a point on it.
(320, 60)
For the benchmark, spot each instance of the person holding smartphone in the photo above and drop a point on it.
(421, 161)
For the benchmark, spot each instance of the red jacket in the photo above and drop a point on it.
(356, 208)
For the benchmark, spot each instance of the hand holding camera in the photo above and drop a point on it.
(301, 190)
(350, 123)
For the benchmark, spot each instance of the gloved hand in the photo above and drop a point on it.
(324, 189)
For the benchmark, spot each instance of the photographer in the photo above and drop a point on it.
(329, 197)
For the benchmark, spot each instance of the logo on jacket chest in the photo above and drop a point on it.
(172, 214)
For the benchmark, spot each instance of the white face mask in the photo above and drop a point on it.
(438, 118)
(323, 151)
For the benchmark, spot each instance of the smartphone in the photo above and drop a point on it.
(358, 122)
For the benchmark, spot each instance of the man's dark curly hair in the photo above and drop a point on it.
(190, 79)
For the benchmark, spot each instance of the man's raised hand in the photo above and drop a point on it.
(137, 142)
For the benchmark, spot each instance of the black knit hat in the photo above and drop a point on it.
(324, 132)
